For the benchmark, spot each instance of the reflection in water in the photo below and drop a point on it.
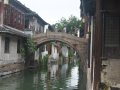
(52, 77)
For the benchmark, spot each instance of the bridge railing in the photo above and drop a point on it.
(59, 35)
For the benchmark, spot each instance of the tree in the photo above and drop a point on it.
(60, 25)
(72, 25)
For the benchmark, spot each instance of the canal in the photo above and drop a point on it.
(65, 76)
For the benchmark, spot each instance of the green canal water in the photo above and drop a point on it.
(51, 77)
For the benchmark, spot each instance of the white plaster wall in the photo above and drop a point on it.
(53, 70)
(37, 54)
(64, 69)
(28, 33)
(45, 52)
(111, 74)
(37, 25)
(12, 56)
(6, 1)
(65, 51)
(54, 53)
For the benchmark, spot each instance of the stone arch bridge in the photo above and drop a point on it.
(79, 44)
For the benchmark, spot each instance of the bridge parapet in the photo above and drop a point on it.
(59, 36)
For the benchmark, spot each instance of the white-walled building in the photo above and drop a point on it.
(15, 20)
(10, 45)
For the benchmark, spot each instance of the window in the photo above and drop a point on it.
(112, 35)
(112, 29)
(18, 46)
(19, 18)
(42, 29)
(7, 44)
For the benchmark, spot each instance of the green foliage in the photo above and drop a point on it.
(23, 52)
(45, 58)
(61, 24)
(70, 53)
(72, 24)
(31, 45)
(43, 61)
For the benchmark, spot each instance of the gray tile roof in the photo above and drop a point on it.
(13, 31)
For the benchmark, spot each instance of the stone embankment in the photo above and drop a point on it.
(11, 68)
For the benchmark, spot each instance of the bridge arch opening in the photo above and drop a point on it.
(66, 44)
(73, 46)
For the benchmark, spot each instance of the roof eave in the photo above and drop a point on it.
(13, 31)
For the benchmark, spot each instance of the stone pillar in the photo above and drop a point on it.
(1, 12)
(0, 48)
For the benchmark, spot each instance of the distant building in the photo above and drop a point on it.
(34, 23)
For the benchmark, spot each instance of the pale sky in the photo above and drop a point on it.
(53, 10)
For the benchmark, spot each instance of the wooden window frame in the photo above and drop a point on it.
(7, 45)
(18, 45)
